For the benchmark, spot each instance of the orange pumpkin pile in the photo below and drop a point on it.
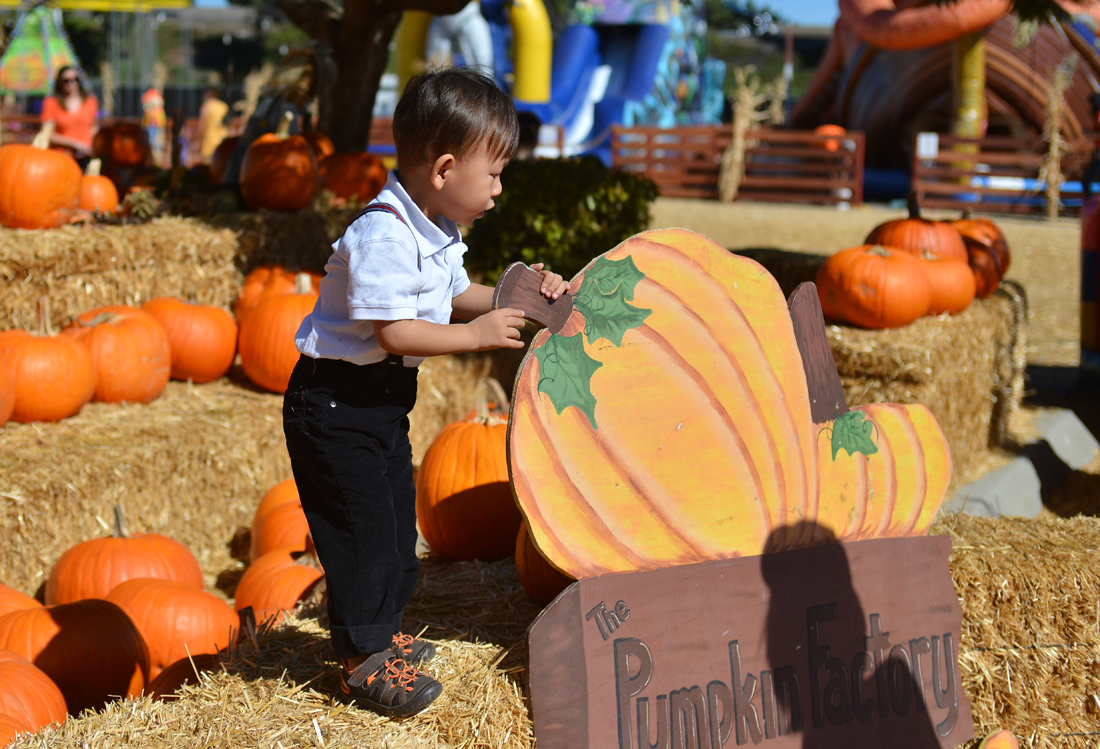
(119, 611)
(202, 338)
(39, 188)
(129, 351)
(266, 344)
(358, 176)
(877, 285)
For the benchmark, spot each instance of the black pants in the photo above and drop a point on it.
(347, 432)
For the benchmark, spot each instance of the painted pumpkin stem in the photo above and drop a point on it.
(302, 283)
(94, 167)
(42, 139)
(120, 523)
(283, 130)
(827, 399)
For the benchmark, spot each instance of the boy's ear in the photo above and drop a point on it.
(442, 165)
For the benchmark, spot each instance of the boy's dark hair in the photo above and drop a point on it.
(452, 111)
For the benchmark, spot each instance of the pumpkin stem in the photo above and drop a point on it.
(93, 168)
(914, 207)
(120, 523)
(43, 318)
(879, 250)
(302, 283)
(283, 130)
(42, 140)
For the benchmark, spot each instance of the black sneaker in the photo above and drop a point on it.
(411, 649)
(388, 685)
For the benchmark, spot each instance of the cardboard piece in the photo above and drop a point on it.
(838, 645)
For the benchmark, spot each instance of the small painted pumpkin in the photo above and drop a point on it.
(202, 338)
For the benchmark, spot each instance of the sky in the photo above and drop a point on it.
(807, 12)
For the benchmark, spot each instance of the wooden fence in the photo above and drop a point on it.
(784, 166)
(992, 175)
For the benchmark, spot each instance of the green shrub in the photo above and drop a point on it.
(562, 212)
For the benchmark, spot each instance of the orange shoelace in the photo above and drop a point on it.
(403, 642)
(398, 673)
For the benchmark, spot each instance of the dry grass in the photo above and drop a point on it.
(192, 465)
(79, 269)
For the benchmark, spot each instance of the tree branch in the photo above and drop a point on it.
(320, 19)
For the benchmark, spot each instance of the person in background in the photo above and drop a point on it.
(74, 112)
(211, 129)
(155, 122)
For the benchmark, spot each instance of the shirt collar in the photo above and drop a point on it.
(437, 236)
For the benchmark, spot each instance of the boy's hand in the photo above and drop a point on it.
(553, 285)
(497, 329)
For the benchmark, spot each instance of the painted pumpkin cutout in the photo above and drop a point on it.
(670, 421)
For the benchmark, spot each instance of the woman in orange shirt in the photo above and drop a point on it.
(74, 111)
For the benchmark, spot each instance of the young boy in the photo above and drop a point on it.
(391, 287)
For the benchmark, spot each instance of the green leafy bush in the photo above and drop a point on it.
(562, 212)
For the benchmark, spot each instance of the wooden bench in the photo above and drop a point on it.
(784, 166)
(996, 174)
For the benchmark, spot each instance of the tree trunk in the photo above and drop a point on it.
(353, 49)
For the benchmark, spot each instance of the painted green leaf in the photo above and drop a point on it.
(565, 374)
(852, 432)
(603, 300)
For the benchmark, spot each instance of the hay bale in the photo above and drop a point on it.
(204, 260)
(967, 368)
(192, 465)
(1030, 651)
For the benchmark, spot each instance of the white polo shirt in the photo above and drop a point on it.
(383, 269)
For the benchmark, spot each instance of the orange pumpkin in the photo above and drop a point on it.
(219, 160)
(873, 287)
(28, 694)
(319, 143)
(129, 350)
(951, 284)
(97, 193)
(268, 353)
(39, 188)
(999, 740)
(285, 525)
(540, 579)
(464, 503)
(124, 144)
(175, 620)
(7, 393)
(352, 175)
(279, 171)
(987, 252)
(10, 728)
(54, 376)
(89, 649)
(93, 568)
(268, 281)
(277, 581)
(14, 600)
(282, 493)
(202, 338)
(832, 144)
(184, 671)
(917, 235)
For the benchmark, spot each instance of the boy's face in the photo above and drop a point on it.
(468, 187)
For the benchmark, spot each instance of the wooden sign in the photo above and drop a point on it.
(838, 645)
(519, 287)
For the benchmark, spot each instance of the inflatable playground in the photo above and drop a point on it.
(616, 62)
